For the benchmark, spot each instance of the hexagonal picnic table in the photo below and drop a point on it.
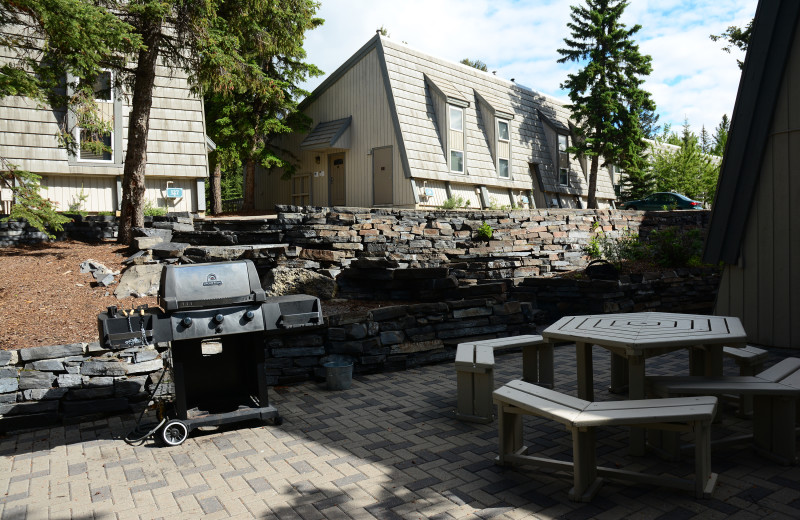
(633, 337)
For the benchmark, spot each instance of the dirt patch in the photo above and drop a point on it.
(45, 300)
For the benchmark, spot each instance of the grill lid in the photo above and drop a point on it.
(198, 286)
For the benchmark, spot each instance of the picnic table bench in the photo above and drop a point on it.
(518, 398)
(775, 392)
(475, 371)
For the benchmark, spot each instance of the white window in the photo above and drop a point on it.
(502, 168)
(456, 119)
(96, 154)
(502, 130)
(563, 160)
(456, 161)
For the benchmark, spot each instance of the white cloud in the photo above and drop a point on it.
(692, 77)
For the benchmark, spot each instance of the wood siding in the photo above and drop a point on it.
(763, 290)
(359, 93)
(176, 147)
(66, 189)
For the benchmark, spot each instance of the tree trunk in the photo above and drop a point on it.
(249, 202)
(216, 189)
(592, 202)
(133, 182)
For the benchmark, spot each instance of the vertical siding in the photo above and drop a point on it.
(499, 197)
(66, 190)
(156, 192)
(439, 193)
(764, 291)
(466, 192)
(359, 93)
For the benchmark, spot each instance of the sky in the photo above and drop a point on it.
(692, 77)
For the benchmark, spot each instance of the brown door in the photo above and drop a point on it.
(382, 175)
(336, 180)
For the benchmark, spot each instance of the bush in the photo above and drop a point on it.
(453, 203)
(671, 248)
(484, 232)
(152, 211)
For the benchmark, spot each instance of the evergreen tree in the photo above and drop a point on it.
(705, 140)
(738, 37)
(606, 95)
(685, 169)
(637, 180)
(720, 138)
(263, 103)
(477, 64)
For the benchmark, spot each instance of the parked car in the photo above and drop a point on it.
(662, 201)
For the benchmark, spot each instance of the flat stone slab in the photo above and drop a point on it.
(104, 368)
(52, 352)
(139, 280)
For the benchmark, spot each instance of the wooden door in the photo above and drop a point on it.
(336, 180)
(382, 175)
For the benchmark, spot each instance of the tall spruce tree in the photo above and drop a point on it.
(263, 103)
(685, 169)
(606, 94)
(720, 137)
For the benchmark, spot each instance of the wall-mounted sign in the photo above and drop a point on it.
(429, 192)
(174, 193)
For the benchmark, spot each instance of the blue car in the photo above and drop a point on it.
(663, 201)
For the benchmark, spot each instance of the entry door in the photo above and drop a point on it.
(336, 181)
(382, 175)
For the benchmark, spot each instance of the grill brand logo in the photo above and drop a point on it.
(211, 279)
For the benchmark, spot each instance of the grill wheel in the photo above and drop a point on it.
(174, 433)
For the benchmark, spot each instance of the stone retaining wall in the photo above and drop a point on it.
(43, 385)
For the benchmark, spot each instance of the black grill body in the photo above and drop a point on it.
(216, 317)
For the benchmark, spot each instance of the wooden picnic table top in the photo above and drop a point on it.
(640, 331)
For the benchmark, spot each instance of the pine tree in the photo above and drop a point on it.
(720, 138)
(687, 169)
(606, 95)
(263, 104)
(705, 140)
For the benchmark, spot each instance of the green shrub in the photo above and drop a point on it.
(592, 249)
(484, 232)
(453, 203)
(76, 205)
(152, 211)
(672, 248)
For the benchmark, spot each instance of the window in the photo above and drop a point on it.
(502, 130)
(563, 160)
(96, 153)
(456, 119)
(502, 168)
(103, 89)
(456, 161)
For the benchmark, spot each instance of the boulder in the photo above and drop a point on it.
(139, 280)
(281, 281)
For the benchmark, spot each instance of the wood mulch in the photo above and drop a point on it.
(46, 300)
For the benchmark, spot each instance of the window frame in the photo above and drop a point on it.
(559, 167)
(452, 108)
(450, 162)
(110, 87)
(508, 169)
(78, 154)
(508, 130)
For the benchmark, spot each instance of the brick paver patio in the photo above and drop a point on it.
(387, 448)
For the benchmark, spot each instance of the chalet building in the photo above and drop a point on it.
(755, 222)
(176, 148)
(396, 127)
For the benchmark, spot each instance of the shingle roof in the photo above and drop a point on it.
(407, 71)
(325, 135)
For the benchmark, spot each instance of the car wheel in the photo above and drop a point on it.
(174, 433)
(632, 208)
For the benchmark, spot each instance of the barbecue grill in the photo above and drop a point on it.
(216, 317)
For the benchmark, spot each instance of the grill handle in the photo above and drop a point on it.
(288, 321)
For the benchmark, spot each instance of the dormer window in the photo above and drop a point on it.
(457, 119)
(502, 130)
(563, 160)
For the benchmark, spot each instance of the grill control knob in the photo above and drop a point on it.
(187, 321)
(219, 318)
(249, 315)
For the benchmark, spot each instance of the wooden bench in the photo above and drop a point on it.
(537, 356)
(776, 395)
(519, 398)
(751, 361)
(475, 382)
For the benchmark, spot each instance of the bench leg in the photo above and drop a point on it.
(746, 401)
(509, 432)
(619, 374)
(774, 421)
(705, 480)
(584, 458)
(484, 386)
(465, 391)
